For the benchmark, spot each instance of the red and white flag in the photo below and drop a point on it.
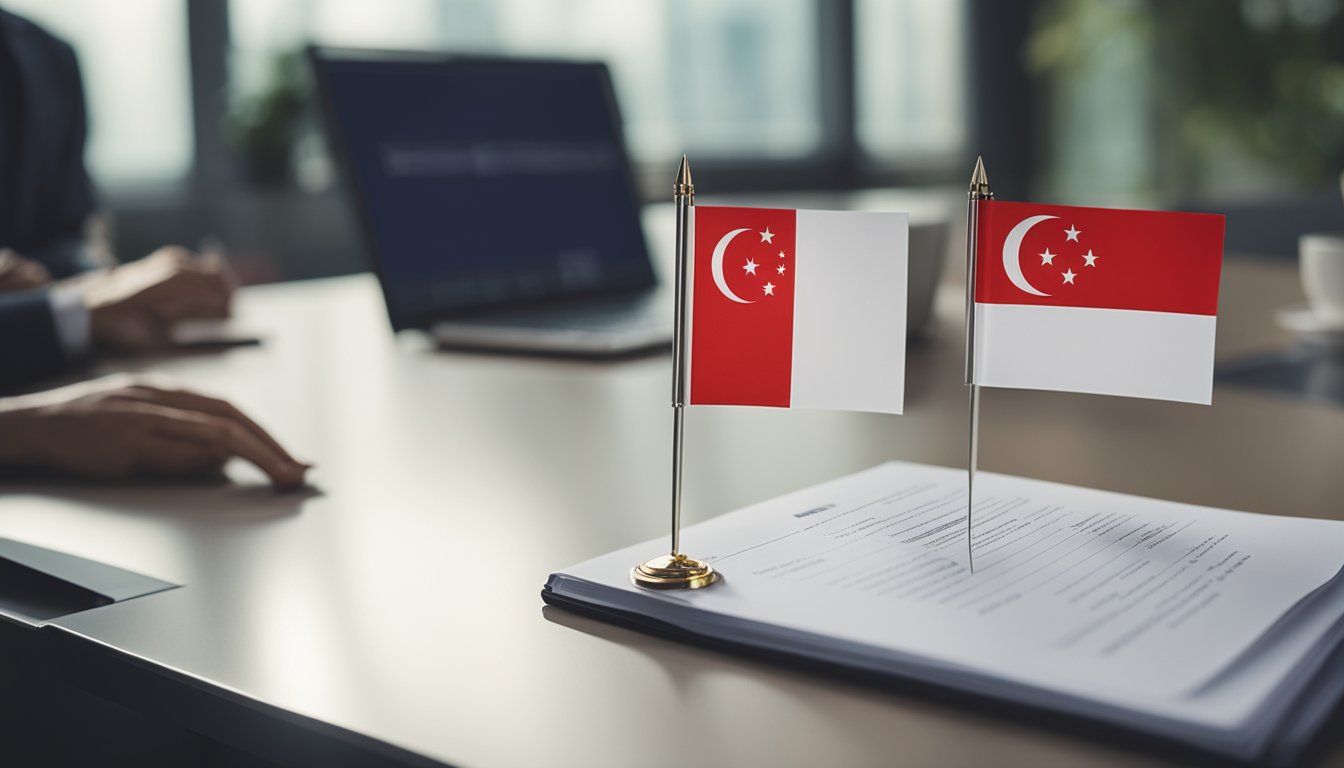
(1111, 302)
(797, 309)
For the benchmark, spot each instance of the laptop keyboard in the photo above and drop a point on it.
(623, 314)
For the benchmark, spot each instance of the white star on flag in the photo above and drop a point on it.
(750, 267)
(1047, 257)
(781, 254)
(767, 236)
(780, 269)
(769, 289)
(1072, 233)
(1090, 259)
(1068, 276)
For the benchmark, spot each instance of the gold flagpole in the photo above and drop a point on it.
(979, 190)
(676, 570)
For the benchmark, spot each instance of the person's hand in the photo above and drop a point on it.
(133, 307)
(20, 274)
(115, 428)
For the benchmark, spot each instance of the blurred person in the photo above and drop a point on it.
(60, 295)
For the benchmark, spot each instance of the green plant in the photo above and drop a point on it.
(1261, 77)
(265, 124)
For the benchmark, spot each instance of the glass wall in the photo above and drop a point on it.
(737, 80)
(718, 78)
(201, 121)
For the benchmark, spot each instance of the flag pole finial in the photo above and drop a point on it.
(676, 570)
(683, 184)
(979, 179)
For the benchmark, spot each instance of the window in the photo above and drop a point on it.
(910, 79)
(133, 56)
(742, 85)
(717, 78)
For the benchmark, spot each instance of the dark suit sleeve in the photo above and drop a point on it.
(61, 193)
(69, 199)
(29, 346)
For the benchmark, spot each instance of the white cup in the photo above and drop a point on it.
(1322, 265)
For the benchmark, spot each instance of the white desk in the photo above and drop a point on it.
(400, 599)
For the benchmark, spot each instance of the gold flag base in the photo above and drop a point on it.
(673, 572)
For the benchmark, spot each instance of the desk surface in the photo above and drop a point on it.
(400, 598)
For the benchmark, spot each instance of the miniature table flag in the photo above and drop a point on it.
(798, 309)
(1111, 302)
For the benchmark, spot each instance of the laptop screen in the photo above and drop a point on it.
(485, 182)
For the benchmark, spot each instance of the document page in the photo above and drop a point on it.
(1073, 588)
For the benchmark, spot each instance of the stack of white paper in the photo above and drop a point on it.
(1205, 626)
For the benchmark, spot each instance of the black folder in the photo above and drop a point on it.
(39, 584)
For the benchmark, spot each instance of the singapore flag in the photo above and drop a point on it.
(1111, 302)
(797, 309)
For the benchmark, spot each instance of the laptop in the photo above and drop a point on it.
(496, 199)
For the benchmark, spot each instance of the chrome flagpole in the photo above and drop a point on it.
(676, 570)
(979, 190)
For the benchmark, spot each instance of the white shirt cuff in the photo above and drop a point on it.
(72, 320)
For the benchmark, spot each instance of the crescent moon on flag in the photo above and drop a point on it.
(1012, 258)
(716, 266)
